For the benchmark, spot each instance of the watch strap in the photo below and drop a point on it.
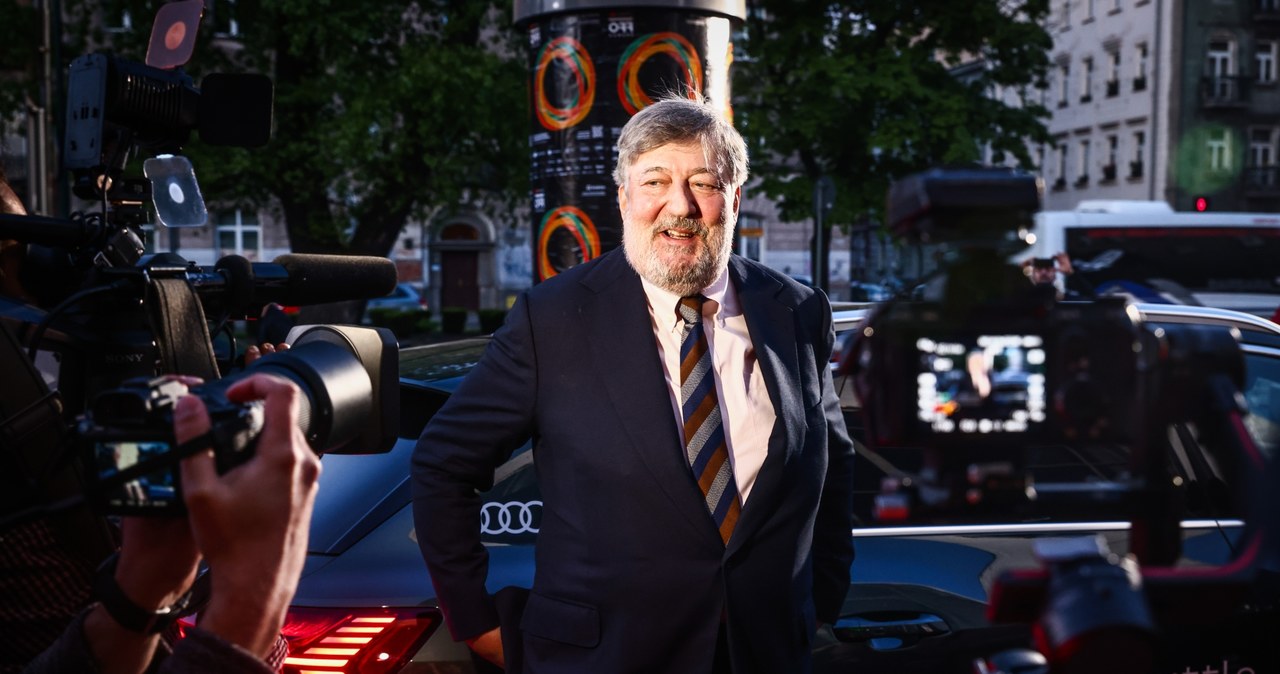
(122, 609)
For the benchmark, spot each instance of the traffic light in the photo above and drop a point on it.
(1201, 204)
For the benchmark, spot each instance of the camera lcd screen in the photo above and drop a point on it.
(153, 490)
(981, 384)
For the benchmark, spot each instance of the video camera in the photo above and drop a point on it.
(992, 358)
(989, 369)
(88, 410)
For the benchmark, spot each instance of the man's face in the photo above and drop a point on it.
(678, 216)
(1041, 275)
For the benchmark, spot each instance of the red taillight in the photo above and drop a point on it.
(368, 641)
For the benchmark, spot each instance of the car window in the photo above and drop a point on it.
(1262, 394)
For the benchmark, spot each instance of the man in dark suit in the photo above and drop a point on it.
(694, 466)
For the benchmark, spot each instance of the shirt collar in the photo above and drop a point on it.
(663, 302)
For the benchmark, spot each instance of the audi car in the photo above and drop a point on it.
(949, 575)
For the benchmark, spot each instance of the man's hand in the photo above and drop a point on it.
(251, 523)
(489, 647)
(255, 351)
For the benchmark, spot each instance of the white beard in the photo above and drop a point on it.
(644, 246)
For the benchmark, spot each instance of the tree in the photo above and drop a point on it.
(384, 112)
(867, 91)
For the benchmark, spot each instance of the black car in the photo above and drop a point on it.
(923, 581)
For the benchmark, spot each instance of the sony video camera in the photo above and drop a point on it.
(103, 322)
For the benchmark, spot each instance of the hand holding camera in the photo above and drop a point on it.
(250, 523)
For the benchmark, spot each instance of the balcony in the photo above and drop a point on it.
(1087, 98)
(1266, 11)
(1135, 170)
(1083, 180)
(1109, 173)
(1140, 83)
(1262, 180)
(1224, 91)
(1060, 184)
(1113, 88)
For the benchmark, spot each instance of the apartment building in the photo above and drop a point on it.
(1108, 81)
(1165, 100)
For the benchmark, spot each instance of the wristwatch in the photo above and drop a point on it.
(128, 614)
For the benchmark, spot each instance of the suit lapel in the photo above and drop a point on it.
(624, 357)
(771, 324)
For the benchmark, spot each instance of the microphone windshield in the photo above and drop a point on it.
(320, 279)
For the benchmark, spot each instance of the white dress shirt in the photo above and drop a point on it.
(745, 409)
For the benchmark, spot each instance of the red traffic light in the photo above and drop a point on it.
(1202, 204)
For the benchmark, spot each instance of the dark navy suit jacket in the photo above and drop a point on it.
(631, 574)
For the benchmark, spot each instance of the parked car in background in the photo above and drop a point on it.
(921, 586)
(405, 297)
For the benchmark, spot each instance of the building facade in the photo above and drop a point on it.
(1109, 81)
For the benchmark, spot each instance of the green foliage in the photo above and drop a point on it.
(867, 91)
(402, 323)
(383, 111)
(453, 320)
(20, 54)
(491, 319)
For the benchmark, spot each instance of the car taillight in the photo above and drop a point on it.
(367, 641)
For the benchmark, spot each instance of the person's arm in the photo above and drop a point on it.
(157, 564)
(832, 533)
(488, 417)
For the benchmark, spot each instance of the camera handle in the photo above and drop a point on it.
(180, 329)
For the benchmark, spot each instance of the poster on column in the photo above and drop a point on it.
(589, 72)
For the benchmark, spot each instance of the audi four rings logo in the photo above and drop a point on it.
(512, 517)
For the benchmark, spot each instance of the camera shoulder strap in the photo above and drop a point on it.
(179, 327)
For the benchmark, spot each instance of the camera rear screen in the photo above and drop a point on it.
(981, 384)
(150, 491)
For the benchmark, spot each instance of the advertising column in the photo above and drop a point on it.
(592, 65)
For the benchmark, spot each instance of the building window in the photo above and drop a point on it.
(1221, 67)
(1060, 155)
(224, 18)
(1139, 150)
(1082, 178)
(1113, 73)
(1262, 157)
(1140, 66)
(1086, 79)
(1088, 10)
(116, 17)
(750, 236)
(239, 233)
(1066, 14)
(1064, 75)
(1220, 151)
(1265, 61)
(1113, 155)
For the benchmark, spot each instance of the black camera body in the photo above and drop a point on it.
(129, 436)
(1004, 375)
(349, 404)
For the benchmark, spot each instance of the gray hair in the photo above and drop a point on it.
(676, 119)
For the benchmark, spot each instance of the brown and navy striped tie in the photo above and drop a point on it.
(704, 439)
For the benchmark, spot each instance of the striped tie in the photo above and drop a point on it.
(703, 431)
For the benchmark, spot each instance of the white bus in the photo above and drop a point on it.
(1149, 251)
